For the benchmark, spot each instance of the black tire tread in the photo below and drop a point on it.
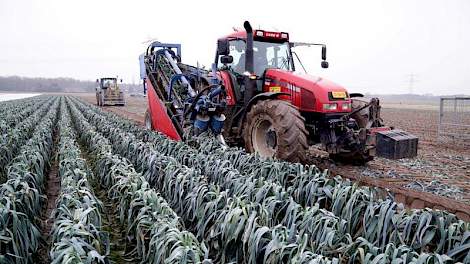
(290, 126)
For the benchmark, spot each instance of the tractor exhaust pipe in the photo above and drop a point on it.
(250, 84)
(249, 47)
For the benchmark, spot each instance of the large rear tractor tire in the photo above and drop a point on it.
(275, 128)
(148, 120)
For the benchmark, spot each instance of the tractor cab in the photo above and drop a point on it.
(267, 52)
(106, 83)
(270, 50)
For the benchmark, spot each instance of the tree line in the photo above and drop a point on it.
(36, 84)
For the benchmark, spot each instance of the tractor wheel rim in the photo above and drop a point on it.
(271, 138)
(264, 139)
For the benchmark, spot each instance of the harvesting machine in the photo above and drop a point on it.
(254, 97)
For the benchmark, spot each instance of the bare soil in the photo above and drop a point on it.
(439, 177)
(52, 187)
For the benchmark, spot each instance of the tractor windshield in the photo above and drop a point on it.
(105, 83)
(265, 55)
(271, 55)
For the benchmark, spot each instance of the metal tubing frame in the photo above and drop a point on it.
(456, 121)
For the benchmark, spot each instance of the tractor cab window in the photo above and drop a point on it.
(277, 55)
(237, 51)
(265, 55)
(107, 82)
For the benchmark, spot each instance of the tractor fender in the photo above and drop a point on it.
(253, 101)
(355, 95)
(263, 96)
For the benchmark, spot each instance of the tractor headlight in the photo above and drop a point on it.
(330, 106)
(346, 106)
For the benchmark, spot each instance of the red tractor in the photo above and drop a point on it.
(255, 93)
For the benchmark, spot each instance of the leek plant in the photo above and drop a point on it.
(76, 233)
(21, 196)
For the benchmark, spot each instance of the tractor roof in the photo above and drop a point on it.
(236, 34)
(259, 34)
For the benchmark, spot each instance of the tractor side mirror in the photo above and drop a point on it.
(226, 59)
(97, 80)
(324, 63)
(121, 80)
(223, 47)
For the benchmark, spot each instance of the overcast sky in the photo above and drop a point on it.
(373, 46)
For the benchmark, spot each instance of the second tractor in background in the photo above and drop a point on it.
(108, 92)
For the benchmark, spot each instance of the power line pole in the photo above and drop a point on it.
(411, 82)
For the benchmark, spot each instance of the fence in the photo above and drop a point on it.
(454, 118)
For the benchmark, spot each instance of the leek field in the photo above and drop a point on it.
(124, 194)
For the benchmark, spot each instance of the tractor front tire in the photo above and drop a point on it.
(275, 128)
(148, 120)
(101, 100)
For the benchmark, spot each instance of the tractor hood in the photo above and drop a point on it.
(315, 91)
(305, 81)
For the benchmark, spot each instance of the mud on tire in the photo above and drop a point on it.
(290, 135)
